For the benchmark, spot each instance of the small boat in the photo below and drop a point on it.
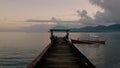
(87, 41)
(81, 42)
(97, 41)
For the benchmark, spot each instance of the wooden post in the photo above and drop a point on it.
(52, 36)
(67, 35)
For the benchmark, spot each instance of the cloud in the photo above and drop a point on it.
(83, 13)
(111, 13)
(53, 19)
(79, 14)
(85, 19)
(56, 21)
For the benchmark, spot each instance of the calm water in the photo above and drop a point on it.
(18, 49)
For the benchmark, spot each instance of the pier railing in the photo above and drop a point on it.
(39, 57)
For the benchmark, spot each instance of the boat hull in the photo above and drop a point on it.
(87, 41)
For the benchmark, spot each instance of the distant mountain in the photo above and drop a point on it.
(115, 27)
(100, 28)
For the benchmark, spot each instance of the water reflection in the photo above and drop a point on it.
(18, 49)
(103, 56)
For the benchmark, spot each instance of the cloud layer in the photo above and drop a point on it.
(56, 21)
(110, 14)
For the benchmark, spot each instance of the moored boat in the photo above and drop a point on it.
(88, 41)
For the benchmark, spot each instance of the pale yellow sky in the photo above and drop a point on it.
(13, 13)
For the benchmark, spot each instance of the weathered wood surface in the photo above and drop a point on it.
(61, 54)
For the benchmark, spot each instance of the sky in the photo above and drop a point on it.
(19, 14)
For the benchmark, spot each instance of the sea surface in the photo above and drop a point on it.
(18, 49)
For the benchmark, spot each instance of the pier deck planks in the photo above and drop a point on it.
(62, 55)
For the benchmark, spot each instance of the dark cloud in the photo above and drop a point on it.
(85, 20)
(83, 13)
(111, 12)
(109, 15)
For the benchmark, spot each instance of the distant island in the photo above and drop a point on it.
(99, 28)
(40, 28)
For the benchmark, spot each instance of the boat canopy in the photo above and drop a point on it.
(59, 30)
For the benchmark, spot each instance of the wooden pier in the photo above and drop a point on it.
(61, 54)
